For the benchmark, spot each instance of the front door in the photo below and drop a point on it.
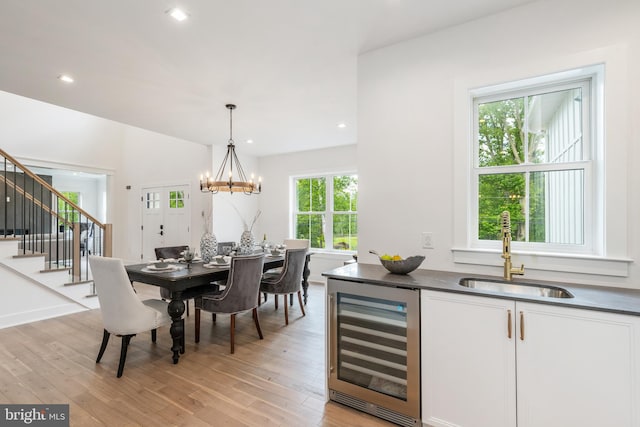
(165, 218)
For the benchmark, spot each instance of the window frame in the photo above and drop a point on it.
(589, 81)
(328, 213)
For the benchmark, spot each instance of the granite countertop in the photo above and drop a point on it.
(600, 298)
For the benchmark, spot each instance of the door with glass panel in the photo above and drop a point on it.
(165, 218)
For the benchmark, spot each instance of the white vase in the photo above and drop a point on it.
(247, 242)
(208, 247)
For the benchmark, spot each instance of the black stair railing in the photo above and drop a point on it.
(47, 222)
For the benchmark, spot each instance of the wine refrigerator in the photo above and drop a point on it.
(374, 349)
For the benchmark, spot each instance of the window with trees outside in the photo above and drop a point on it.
(534, 157)
(326, 211)
(65, 210)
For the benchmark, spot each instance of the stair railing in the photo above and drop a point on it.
(47, 222)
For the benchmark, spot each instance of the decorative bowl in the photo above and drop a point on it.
(404, 266)
(161, 265)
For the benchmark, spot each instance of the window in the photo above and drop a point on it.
(534, 156)
(152, 200)
(326, 211)
(176, 199)
(66, 210)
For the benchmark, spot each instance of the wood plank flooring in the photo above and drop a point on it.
(278, 381)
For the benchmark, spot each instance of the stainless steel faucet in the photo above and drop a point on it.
(509, 271)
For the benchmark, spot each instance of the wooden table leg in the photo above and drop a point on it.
(176, 310)
(305, 278)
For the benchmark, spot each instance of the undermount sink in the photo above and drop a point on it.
(525, 289)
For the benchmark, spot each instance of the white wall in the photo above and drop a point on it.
(150, 159)
(45, 135)
(275, 199)
(413, 130)
(33, 129)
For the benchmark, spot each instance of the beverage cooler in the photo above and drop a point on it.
(374, 349)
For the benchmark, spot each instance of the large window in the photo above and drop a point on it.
(326, 211)
(534, 157)
(66, 210)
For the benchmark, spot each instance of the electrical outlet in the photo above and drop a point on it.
(427, 240)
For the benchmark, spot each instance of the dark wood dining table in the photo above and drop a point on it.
(184, 283)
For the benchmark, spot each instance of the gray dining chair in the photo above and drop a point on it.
(288, 281)
(123, 313)
(239, 295)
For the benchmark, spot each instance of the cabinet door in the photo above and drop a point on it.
(577, 368)
(468, 361)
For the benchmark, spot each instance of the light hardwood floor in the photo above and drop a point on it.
(278, 381)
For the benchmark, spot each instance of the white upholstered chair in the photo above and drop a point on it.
(296, 243)
(123, 313)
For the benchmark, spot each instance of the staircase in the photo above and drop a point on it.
(45, 240)
(31, 292)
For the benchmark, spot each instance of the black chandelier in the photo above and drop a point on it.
(232, 182)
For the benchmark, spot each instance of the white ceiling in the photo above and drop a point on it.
(289, 65)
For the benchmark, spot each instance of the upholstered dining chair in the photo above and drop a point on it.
(170, 252)
(123, 313)
(296, 243)
(288, 281)
(239, 295)
(289, 244)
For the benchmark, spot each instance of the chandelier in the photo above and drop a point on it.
(230, 179)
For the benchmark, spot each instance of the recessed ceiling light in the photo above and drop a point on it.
(249, 141)
(178, 14)
(342, 125)
(65, 78)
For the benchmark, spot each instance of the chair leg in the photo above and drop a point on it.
(291, 300)
(232, 328)
(103, 346)
(301, 305)
(213, 317)
(257, 322)
(123, 353)
(275, 298)
(153, 335)
(197, 323)
(286, 310)
(186, 302)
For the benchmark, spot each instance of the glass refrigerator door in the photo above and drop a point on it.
(372, 343)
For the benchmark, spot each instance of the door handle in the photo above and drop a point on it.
(509, 324)
(521, 326)
(161, 233)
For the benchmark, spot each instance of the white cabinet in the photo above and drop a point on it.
(568, 367)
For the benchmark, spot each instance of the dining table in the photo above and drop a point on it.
(186, 281)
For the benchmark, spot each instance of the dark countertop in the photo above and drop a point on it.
(600, 298)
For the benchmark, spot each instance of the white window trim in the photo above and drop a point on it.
(328, 231)
(462, 250)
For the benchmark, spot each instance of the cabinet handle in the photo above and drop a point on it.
(509, 324)
(521, 326)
